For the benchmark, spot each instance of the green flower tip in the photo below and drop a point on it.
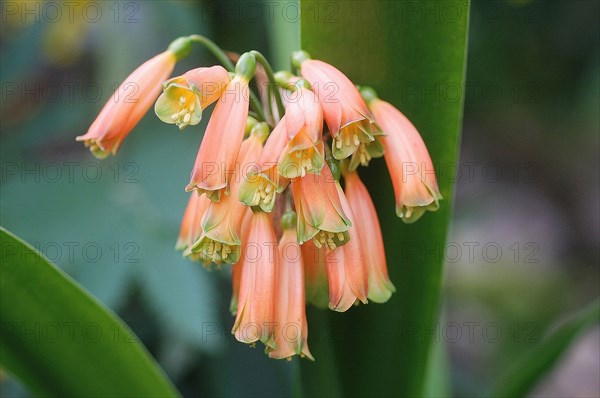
(250, 123)
(282, 78)
(368, 93)
(261, 131)
(298, 57)
(181, 47)
(303, 83)
(288, 220)
(246, 66)
(334, 164)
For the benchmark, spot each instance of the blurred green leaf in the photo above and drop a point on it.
(284, 34)
(60, 340)
(413, 54)
(526, 372)
(437, 379)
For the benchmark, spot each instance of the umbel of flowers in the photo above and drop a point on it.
(275, 190)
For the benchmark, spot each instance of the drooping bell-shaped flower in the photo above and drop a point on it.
(407, 159)
(222, 221)
(291, 328)
(348, 118)
(186, 96)
(128, 105)
(346, 268)
(303, 152)
(191, 228)
(236, 275)
(369, 234)
(294, 148)
(315, 274)
(319, 209)
(236, 269)
(219, 149)
(263, 183)
(260, 262)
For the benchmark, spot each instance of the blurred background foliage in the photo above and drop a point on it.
(528, 183)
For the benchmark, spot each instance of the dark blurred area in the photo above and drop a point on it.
(523, 250)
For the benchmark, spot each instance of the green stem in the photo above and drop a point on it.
(273, 86)
(223, 58)
(215, 50)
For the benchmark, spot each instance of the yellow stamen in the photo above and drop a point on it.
(265, 192)
(347, 140)
(305, 163)
(225, 251)
(325, 239)
(338, 142)
(363, 155)
(216, 252)
(183, 116)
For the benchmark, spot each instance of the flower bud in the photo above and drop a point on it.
(181, 47)
(298, 57)
(246, 66)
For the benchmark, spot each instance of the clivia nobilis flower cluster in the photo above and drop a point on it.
(266, 188)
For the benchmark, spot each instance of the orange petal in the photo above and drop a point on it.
(222, 140)
(369, 232)
(256, 312)
(408, 161)
(291, 330)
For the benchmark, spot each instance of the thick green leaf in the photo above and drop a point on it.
(437, 378)
(413, 54)
(526, 372)
(61, 341)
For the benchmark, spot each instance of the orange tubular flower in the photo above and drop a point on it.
(236, 275)
(184, 97)
(303, 152)
(221, 142)
(350, 122)
(222, 221)
(294, 148)
(260, 262)
(236, 269)
(315, 271)
(369, 234)
(191, 228)
(291, 329)
(128, 105)
(262, 184)
(224, 134)
(408, 161)
(346, 269)
(320, 213)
